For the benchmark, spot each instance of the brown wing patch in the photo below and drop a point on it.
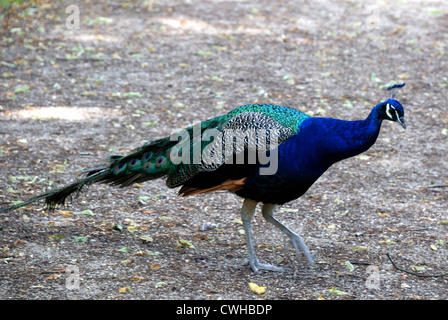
(229, 185)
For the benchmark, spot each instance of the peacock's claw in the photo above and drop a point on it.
(257, 266)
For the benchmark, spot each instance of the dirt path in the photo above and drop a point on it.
(140, 70)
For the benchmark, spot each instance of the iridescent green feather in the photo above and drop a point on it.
(287, 117)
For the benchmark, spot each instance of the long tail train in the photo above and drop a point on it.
(58, 197)
(145, 163)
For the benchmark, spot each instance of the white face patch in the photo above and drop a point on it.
(395, 110)
(388, 110)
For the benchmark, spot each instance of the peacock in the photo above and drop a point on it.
(264, 153)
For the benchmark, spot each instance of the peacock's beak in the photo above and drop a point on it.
(402, 122)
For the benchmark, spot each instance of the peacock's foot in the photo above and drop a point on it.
(299, 246)
(257, 266)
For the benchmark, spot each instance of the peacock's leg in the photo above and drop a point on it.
(297, 242)
(247, 214)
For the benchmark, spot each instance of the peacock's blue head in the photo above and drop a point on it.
(393, 110)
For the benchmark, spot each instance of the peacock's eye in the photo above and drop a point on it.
(160, 161)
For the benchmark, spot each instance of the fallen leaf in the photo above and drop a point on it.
(417, 268)
(147, 238)
(184, 244)
(89, 94)
(161, 284)
(118, 227)
(289, 79)
(140, 254)
(99, 20)
(116, 55)
(347, 104)
(333, 290)
(288, 210)
(22, 89)
(178, 104)
(124, 289)
(256, 288)
(140, 112)
(360, 248)
(430, 11)
(349, 265)
(204, 53)
(132, 95)
(56, 237)
(137, 278)
(11, 190)
(66, 214)
(149, 124)
(374, 78)
(216, 78)
(54, 277)
(87, 212)
(19, 243)
(80, 239)
(363, 157)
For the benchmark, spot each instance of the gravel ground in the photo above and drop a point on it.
(139, 70)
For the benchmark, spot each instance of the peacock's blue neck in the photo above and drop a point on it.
(324, 141)
(348, 138)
